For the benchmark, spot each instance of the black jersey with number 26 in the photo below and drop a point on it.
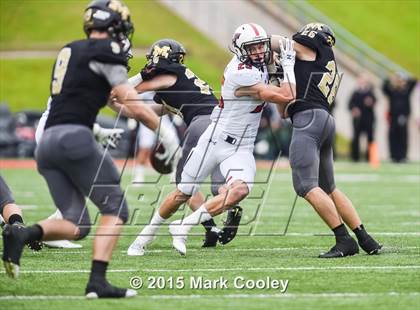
(77, 93)
(317, 81)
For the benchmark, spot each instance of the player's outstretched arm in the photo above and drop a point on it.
(128, 100)
(280, 95)
(128, 97)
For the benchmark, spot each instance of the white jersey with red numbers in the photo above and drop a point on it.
(240, 116)
(228, 141)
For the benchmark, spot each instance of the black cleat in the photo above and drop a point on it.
(35, 245)
(370, 246)
(347, 247)
(103, 289)
(13, 244)
(211, 239)
(231, 225)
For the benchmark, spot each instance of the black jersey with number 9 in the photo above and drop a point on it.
(77, 93)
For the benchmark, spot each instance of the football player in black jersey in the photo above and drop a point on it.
(68, 157)
(179, 91)
(11, 214)
(311, 155)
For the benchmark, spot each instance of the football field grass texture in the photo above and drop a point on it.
(375, 22)
(387, 199)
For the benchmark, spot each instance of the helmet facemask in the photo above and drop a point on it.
(257, 53)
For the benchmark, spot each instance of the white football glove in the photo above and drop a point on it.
(107, 136)
(287, 59)
(170, 143)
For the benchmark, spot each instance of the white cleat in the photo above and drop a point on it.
(128, 294)
(137, 248)
(61, 244)
(179, 236)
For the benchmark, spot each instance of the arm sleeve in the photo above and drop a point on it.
(135, 79)
(115, 74)
(41, 123)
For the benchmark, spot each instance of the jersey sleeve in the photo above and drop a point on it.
(108, 51)
(115, 74)
(42, 121)
(163, 66)
(313, 43)
(244, 76)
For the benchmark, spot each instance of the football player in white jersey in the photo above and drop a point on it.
(229, 140)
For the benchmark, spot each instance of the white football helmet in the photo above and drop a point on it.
(247, 35)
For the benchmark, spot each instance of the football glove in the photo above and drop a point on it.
(170, 144)
(287, 53)
(287, 59)
(148, 72)
(107, 136)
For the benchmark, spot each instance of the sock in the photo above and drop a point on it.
(198, 216)
(340, 232)
(154, 225)
(34, 233)
(15, 218)
(208, 225)
(98, 270)
(360, 232)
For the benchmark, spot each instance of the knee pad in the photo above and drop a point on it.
(113, 203)
(80, 218)
(327, 188)
(123, 212)
(119, 211)
(303, 187)
(83, 231)
(188, 188)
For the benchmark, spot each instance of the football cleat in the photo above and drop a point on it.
(62, 244)
(347, 247)
(35, 245)
(370, 246)
(103, 289)
(179, 236)
(138, 246)
(211, 238)
(231, 225)
(13, 244)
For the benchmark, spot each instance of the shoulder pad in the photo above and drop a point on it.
(313, 43)
(244, 75)
(163, 65)
(107, 51)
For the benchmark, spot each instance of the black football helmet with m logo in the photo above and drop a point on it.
(169, 49)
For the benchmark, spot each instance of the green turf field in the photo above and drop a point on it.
(393, 36)
(387, 199)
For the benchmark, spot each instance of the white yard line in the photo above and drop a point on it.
(65, 251)
(300, 268)
(74, 271)
(235, 296)
(298, 234)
